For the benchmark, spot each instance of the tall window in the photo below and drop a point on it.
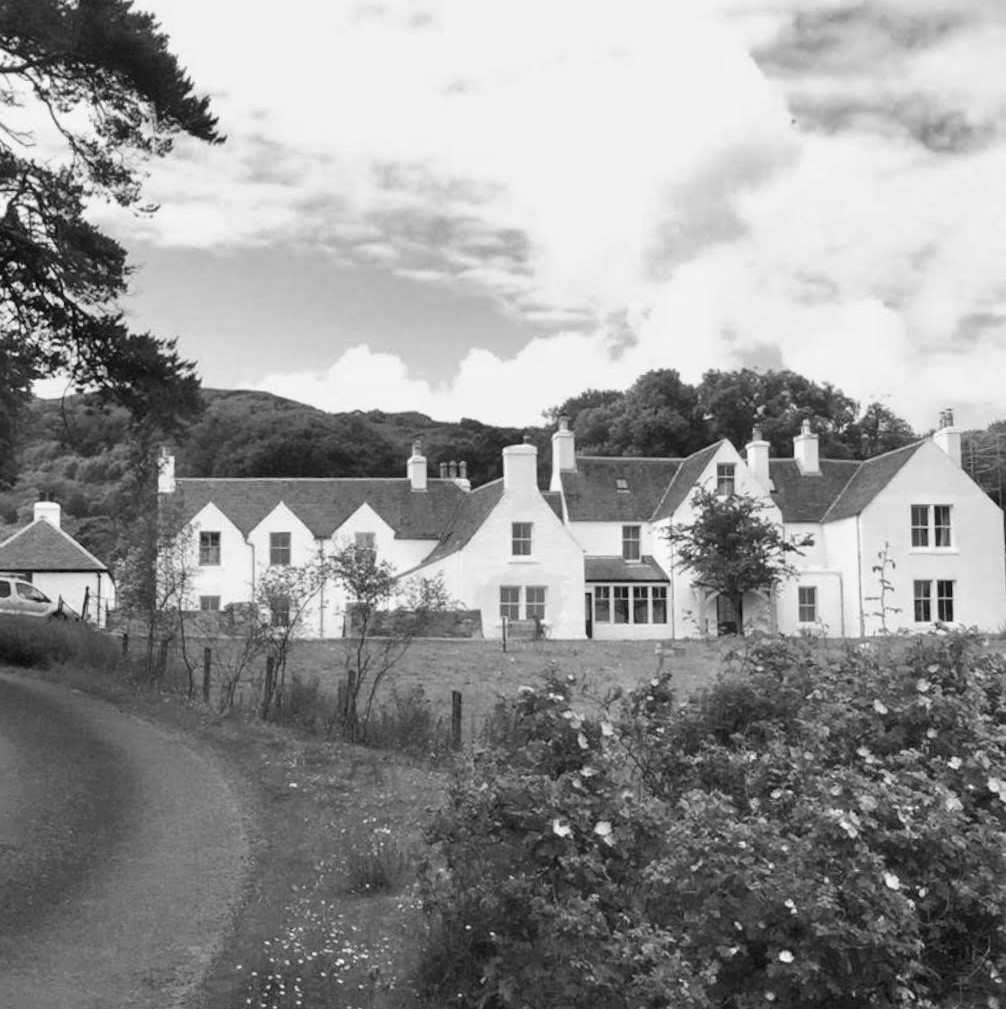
(279, 548)
(640, 604)
(941, 525)
(945, 600)
(209, 548)
(725, 478)
(630, 543)
(807, 604)
(209, 604)
(621, 600)
(922, 599)
(279, 611)
(367, 542)
(534, 601)
(659, 604)
(602, 604)
(510, 602)
(920, 525)
(520, 539)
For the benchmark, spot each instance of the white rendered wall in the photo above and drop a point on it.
(72, 586)
(233, 578)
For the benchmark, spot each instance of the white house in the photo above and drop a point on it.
(52, 560)
(590, 556)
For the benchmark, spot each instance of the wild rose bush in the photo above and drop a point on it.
(813, 830)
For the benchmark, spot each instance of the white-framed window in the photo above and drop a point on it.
(640, 604)
(725, 478)
(621, 485)
(620, 598)
(631, 540)
(931, 526)
(279, 549)
(534, 602)
(520, 539)
(806, 603)
(209, 549)
(945, 600)
(510, 602)
(209, 604)
(366, 541)
(659, 593)
(922, 601)
(602, 604)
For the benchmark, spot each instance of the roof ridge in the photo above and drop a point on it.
(633, 458)
(708, 448)
(914, 446)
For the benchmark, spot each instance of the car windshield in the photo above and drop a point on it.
(32, 594)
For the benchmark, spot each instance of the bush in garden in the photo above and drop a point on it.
(814, 830)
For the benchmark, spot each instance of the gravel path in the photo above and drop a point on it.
(122, 855)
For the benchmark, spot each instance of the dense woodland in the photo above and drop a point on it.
(81, 452)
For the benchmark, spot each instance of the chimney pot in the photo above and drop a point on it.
(443, 471)
(527, 439)
(463, 470)
(452, 470)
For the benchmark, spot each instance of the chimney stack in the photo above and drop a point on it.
(757, 457)
(49, 511)
(462, 478)
(165, 472)
(805, 451)
(520, 469)
(563, 453)
(948, 437)
(415, 468)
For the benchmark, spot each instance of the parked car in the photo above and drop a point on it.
(21, 598)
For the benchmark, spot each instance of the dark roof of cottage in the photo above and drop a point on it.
(323, 504)
(592, 493)
(868, 481)
(616, 569)
(554, 500)
(807, 498)
(42, 547)
(684, 480)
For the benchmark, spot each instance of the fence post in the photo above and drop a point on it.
(267, 687)
(456, 718)
(207, 663)
(504, 634)
(125, 645)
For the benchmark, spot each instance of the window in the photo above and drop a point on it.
(209, 548)
(535, 602)
(640, 604)
(279, 611)
(630, 543)
(941, 525)
(209, 603)
(510, 602)
(659, 604)
(621, 594)
(367, 542)
(622, 485)
(922, 597)
(279, 548)
(602, 604)
(520, 543)
(30, 593)
(725, 478)
(4, 590)
(939, 536)
(807, 604)
(945, 601)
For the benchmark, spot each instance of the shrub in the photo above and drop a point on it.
(812, 831)
(31, 642)
(406, 723)
(383, 867)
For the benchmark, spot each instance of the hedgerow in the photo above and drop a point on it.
(814, 830)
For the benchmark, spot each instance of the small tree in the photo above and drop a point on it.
(733, 547)
(374, 648)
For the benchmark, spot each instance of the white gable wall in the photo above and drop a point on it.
(815, 569)
(72, 586)
(974, 562)
(232, 578)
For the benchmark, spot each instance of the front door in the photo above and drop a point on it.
(588, 602)
(729, 619)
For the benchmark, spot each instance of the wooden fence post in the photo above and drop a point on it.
(504, 634)
(456, 719)
(125, 645)
(207, 664)
(267, 687)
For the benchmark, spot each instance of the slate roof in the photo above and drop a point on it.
(869, 480)
(323, 504)
(42, 547)
(593, 496)
(469, 515)
(807, 498)
(616, 569)
(684, 480)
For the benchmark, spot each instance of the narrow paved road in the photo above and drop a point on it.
(122, 855)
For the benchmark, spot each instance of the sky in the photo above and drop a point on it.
(478, 208)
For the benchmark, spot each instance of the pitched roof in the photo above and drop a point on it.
(40, 546)
(868, 481)
(323, 504)
(807, 499)
(684, 480)
(468, 517)
(617, 569)
(592, 494)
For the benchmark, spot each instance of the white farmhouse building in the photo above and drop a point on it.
(590, 556)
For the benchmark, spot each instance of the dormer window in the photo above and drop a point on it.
(622, 485)
(725, 478)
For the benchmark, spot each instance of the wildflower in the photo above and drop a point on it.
(891, 881)
(785, 956)
(607, 729)
(561, 829)
(880, 707)
(922, 685)
(582, 740)
(603, 830)
(954, 762)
